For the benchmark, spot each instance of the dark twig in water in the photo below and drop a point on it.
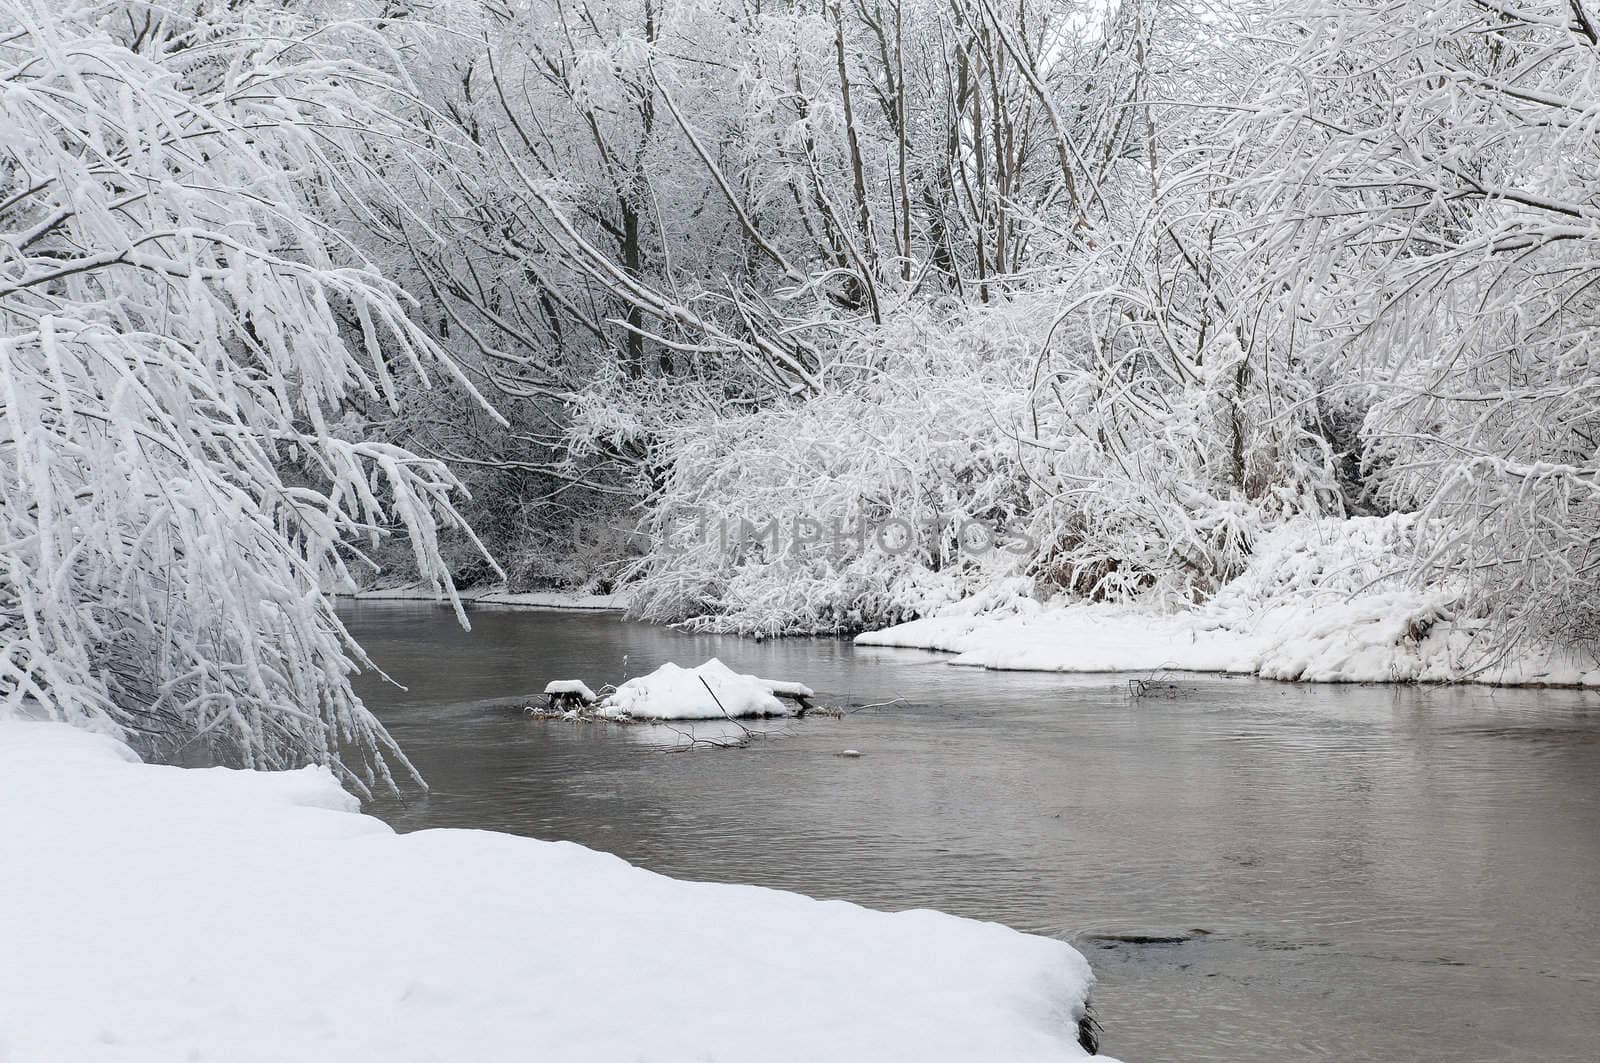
(1157, 685)
(1089, 1030)
(728, 715)
(692, 741)
(896, 700)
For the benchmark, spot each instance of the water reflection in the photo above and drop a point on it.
(1384, 873)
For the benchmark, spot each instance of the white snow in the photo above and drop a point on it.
(1322, 601)
(673, 692)
(155, 914)
(785, 687)
(498, 595)
(570, 686)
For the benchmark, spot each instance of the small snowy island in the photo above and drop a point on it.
(264, 918)
(711, 691)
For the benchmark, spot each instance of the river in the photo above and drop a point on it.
(1350, 872)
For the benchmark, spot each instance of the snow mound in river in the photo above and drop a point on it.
(155, 914)
(710, 692)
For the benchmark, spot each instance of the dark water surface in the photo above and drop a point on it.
(1384, 873)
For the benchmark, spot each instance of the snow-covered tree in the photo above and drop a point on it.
(1432, 197)
(180, 324)
(1115, 385)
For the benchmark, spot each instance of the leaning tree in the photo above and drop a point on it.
(180, 325)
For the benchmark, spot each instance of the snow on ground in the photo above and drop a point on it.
(159, 914)
(498, 595)
(673, 692)
(1322, 601)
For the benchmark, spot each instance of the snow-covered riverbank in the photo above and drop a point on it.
(498, 595)
(1322, 601)
(159, 914)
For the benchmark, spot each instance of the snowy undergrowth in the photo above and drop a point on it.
(275, 922)
(769, 522)
(948, 455)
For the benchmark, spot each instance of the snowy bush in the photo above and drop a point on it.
(1097, 470)
(820, 515)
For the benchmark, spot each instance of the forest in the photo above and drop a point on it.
(1033, 299)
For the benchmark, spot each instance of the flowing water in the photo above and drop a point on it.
(1257, 871)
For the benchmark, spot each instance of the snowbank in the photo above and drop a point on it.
(1322, 601)
(673, 692)
(155, 914)
(498, 595)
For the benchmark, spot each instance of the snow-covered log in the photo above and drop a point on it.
(562, 692)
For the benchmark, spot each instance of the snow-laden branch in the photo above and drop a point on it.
(179, 329)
